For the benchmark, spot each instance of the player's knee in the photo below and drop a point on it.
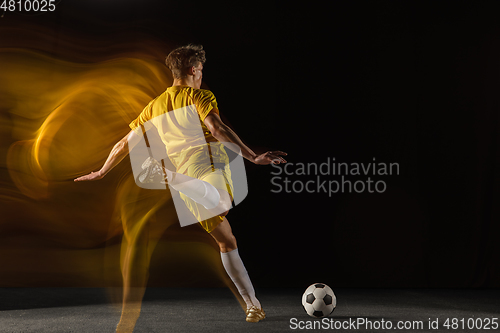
(228, 244)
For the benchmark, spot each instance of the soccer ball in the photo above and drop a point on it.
(319, 300)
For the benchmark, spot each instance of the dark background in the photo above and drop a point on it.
(414, 83)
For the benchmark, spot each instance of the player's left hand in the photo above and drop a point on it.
(271, 157)
(91, 176)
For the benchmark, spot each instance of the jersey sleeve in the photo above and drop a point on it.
(205, 102)
(143, 119)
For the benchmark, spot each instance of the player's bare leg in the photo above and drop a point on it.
(219, 202)
(233, 264)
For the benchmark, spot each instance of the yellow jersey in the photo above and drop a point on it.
(178, 115)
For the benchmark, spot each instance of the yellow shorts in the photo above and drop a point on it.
(212, 166)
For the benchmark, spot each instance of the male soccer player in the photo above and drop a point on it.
(196, 177)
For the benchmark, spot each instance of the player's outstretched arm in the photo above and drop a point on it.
(224, 133)
(117, 154)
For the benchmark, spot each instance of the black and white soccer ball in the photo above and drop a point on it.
(319, 300)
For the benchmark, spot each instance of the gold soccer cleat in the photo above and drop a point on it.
(254, 314)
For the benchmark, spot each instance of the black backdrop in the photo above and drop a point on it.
(413, 83)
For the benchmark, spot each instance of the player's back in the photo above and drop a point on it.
(178, 115)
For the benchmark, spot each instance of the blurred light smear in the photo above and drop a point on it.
(65, 99)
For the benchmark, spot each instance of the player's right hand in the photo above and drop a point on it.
(270, 157)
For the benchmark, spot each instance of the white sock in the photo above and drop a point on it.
(200, 191)
(238, 274)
